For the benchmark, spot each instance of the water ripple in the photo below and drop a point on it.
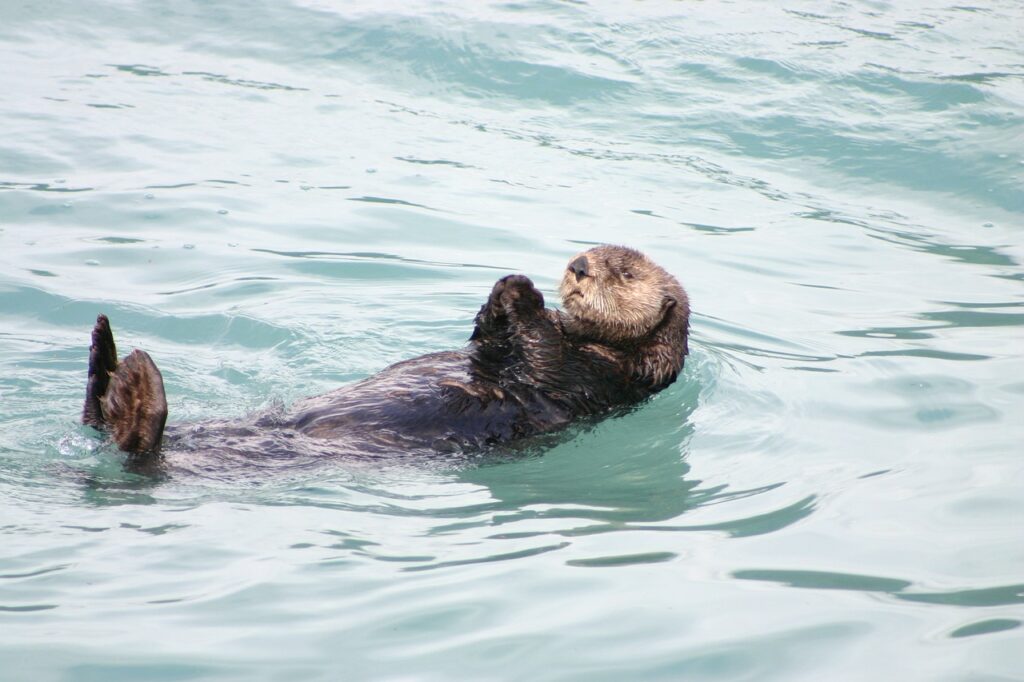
(821, 580)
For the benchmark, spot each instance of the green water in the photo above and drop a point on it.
(276, 198)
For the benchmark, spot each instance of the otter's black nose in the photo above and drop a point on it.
(579, 268)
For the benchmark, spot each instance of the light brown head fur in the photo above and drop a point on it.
(618, 294)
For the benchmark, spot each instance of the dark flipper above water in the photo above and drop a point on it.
(126, 397)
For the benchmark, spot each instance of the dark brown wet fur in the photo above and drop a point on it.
(527, 370)
(126, 398)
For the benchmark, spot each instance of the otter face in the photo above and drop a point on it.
(617, 293)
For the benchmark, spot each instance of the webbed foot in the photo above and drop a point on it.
(125, 397)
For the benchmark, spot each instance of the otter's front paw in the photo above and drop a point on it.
(519, 296)
(494, 300)
(492, 318)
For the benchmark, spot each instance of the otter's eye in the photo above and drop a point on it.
(626, 274)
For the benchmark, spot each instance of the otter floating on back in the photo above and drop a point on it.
(527, 370)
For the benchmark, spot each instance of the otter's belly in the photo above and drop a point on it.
(431, 401)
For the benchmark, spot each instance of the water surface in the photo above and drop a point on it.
(276, 199)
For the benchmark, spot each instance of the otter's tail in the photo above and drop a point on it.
(125, 397)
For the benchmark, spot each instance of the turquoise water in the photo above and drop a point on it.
(274, 199)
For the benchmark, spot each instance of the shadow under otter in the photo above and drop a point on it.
(526, 371)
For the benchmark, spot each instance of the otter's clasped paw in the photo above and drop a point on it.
(491, 318)
(519, 296)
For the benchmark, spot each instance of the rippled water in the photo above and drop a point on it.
(273, 199)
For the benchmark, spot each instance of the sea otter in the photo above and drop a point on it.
(526, 370)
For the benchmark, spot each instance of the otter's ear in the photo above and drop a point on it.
(667, 304)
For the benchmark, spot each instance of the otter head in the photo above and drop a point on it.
(617, 294)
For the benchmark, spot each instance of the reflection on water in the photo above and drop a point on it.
(609, 475)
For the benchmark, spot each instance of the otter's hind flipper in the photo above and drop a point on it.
(126, 397)
(102, 363)
(135, 407)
